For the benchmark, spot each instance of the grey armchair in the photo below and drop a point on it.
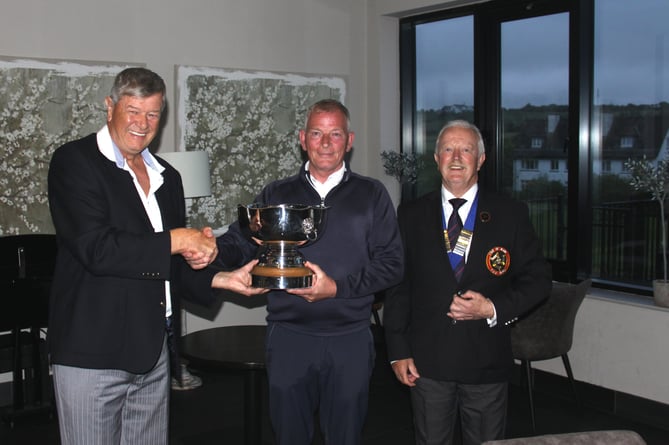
(547, 332)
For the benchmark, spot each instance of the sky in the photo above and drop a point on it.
(631, 57)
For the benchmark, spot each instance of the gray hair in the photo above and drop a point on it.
(137, 82)
(328, 106)
(461, 123)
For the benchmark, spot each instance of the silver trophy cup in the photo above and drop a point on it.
(280, 230)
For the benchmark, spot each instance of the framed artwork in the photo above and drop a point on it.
(248, 123)
(43, 104)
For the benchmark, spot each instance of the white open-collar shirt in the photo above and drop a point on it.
(154, 170)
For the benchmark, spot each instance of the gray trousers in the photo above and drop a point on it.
(436, 405)
(113, 407)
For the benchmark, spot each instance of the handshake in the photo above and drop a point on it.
(198, 247)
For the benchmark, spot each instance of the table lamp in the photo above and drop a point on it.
(194, 169)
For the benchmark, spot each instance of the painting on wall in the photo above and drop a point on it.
(248, 123)
(43, 104)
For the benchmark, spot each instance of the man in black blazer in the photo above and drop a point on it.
(447, 326)
(123, 257)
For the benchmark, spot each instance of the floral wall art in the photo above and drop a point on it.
(248, 122)
(43, 104)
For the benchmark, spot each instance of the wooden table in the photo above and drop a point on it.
(236, 348)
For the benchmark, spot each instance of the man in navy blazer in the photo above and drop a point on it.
(123, 257)
(447, 326)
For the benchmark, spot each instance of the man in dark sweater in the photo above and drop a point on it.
(320, 351)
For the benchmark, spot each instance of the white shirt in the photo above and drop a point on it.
(464, 209)
(323, 188)
(154, 170)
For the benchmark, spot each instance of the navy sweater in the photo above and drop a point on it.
(360, 248)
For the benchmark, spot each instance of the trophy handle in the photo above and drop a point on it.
(309, 229)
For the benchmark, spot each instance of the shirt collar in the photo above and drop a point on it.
(331, 182)
(469, 195)
(110, 151)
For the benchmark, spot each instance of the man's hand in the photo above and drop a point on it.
(238, 280)
(405, 371)
(198, 247)
(322, 286)
(470, 305)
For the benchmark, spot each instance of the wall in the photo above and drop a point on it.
(301, 36)
(620, 344)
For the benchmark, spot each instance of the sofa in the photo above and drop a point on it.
(612, 437)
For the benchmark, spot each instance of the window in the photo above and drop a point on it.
(626, 142)
(564, 94)
(443, 91)
(529, 164)
(630, 94)
(606, 166)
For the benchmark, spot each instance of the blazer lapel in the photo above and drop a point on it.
(435, 231)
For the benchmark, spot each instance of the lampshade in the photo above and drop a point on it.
(194, 169)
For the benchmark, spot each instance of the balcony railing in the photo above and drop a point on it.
(626, 237)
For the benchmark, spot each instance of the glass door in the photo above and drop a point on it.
(534, 115)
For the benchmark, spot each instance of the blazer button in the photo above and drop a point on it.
(162, 304)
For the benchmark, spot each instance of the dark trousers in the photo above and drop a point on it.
(325, 374)
(436, 405)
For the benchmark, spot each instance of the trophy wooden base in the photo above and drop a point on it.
(281, 277)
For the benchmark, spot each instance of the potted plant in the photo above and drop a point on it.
(650, 177)
(401, 166)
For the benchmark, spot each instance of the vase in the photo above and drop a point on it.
(661, 292)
